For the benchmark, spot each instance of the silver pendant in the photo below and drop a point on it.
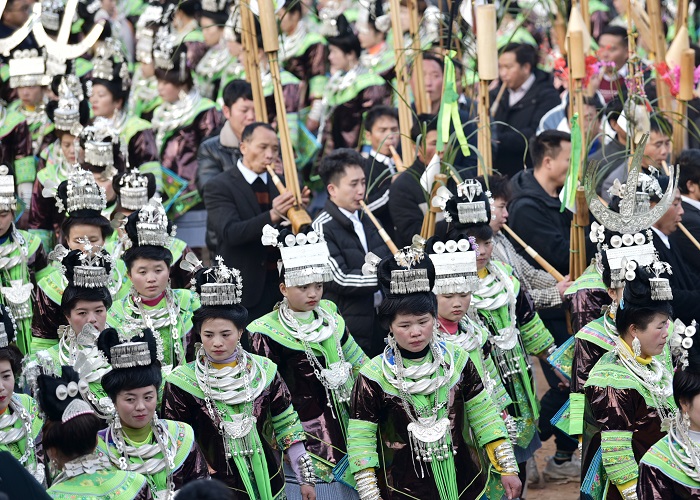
(18, 296)
(507, 338)
(428, 439)
(336, 374)
(239, 426)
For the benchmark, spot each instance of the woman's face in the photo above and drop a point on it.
(102, 101)
(105, 183)
(653, 337)
(149, 277)
(453, 306)
(692, 408)
(136, 407)
(81, 232)
(303, 298)
(7, 384)
(88, 311)
(169, 92)
(485, 251)
(220, 338)
(68, 147)
(413, 332)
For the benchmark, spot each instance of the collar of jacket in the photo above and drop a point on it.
(342, 219)
(227, 138)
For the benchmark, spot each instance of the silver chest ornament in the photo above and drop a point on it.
(429, 438)
(18, 298)
(238, 430)
(335, 378)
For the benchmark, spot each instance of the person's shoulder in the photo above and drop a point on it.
(222, 181)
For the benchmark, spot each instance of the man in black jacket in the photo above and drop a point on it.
(350, 238)
(689, 185)
(529, 95)
(240, 202)
(536, 217)
(221, 152)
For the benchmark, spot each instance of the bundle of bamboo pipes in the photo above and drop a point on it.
(487, 59)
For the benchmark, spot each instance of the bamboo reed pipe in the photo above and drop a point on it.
(536, 256)
(382, 232)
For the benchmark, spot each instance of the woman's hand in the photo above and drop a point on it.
(308, 492)
(512, 485)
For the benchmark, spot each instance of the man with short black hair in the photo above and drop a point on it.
(240, 202)
(613, 53)
(530, 94)
(689, 185)
(350, 238)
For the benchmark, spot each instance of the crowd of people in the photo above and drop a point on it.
(169, 330)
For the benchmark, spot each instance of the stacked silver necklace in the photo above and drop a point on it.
(169, 116)
(10, 435)
(18, 294)
(87, 464)
(231, 386)
(338, 82)
(654, 377)
(291, 43)
(685, 451)
(428, 436)
(158, 318)
(337, 377)
(165, 445)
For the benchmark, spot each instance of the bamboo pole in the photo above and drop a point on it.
(389, 243)
(268, 25)
(398, 162)
(487, 59)
(423, 104)
(428, 228)
(533, 253)
(402, 85)
(252, 60)
(682, 14)
(658, 43)
(586, 14)
(685, 94)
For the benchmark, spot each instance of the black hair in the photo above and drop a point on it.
(346, 40)
(548, 143)
(689, 165)
(333, 165)
(12, 354)
(250, 129)
(74, 438)
(431, 56)
(686, 385)
(148, 252)
(659, 124)
(88, 218)
(219, 18)
(481, 232)
(237, 89)
(524, 54)
(83, 108)
(499, 185)
(150, 189)
(292, 7)
(206, 489)
(136, 377)
(72, 294)
(423, 124)
(614, 108)
(637, 307)
(236, 314)
(173, 75)
(618, 31)
(114, 87)
(378, 112)
(189, 7)
(413, 303)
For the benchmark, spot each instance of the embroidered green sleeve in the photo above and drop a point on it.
(484, 420)
(577, 402)
(536, 337)
(25, 170)
(354, 355)
(153, 167)
(500, 395)
(316, 85)
(288, 429)
(618, 457)
(47, 238)
(362, 445)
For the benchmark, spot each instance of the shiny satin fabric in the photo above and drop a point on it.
(610, 409)
(347, 117)
(400, 479)
(586, 306)
(292, 96)
(15, 145)
(324, 436)
(143, 148)
(43, 213)
(586, 355)
(180, 405)
(655, 485)
(311, 63)
(47, 317)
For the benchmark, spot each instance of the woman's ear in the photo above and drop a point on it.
(283, 289)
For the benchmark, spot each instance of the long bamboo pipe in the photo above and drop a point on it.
(382, 232)
(533, 253)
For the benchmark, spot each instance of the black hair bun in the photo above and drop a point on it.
(110, 338)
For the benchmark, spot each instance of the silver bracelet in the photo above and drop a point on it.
(367, 486)
(630, 493)
(506, 458)
(306, 470)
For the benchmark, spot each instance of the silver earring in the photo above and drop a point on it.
(613, 308)
(117, 421)
(686, 420)
(637, 347)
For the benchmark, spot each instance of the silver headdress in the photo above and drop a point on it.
(51, 14)
(470, 204)
(109, 54)
(98, 142)
(629, 220)
(329, 15)
(368, 14)
(214, 5)
(164, 46)
(660, 287)
(28, 69)
(455, 266)
(67, 114)
(130, 354)
(681, 341)
(8, 200)
(83, 192)
(305, 256)
(152, 225)
(92, 272)
(232, 28)
(153, 15)
(409, 278)
(75, 408)
(7, 336)
(220, 285)
(133, 191)
(636, 247)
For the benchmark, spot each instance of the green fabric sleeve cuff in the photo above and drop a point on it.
(288, 429)
(354, 355)
(577, 403)
(362, 445)
(500, 395)
(536, 337)
(316, 86)
(618, 457)
(25, 170)
(484, 420)
(48, 239)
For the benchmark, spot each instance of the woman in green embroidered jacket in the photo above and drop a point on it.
(136, 440)
(84, 304)
(70, 439)
(629, 390)
(407, 433)
(515, 329)
(672, 466)
(20, 423)
(230, 397)
(151, 302)
(23, 262)
(307, 339)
